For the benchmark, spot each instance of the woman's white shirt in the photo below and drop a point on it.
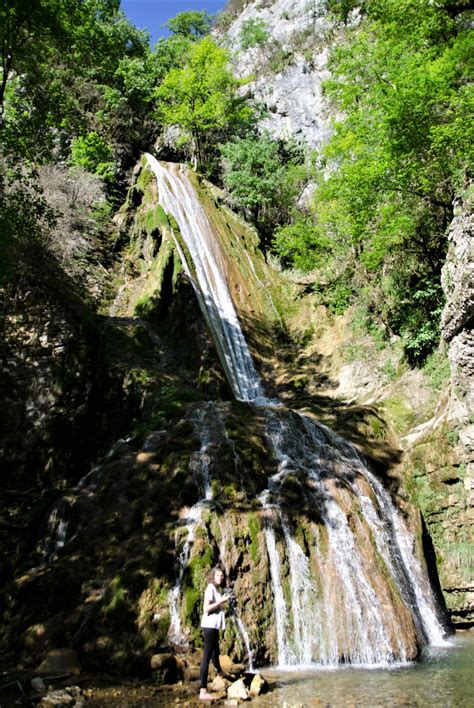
(215, 619)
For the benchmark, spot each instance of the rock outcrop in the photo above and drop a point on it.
(457, 323)
(288, 67)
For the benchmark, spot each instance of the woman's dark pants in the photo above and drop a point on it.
(211, 652)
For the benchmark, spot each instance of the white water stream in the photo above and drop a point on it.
(353, 616)
(178, 197)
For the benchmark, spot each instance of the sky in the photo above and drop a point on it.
(152, 14)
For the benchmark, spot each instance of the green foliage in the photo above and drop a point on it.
(438, 369)
(25, 221)
(201, 96)
(252, 171)
(191, 23)
(302, 244)
(254, 528)
(264, 176)
(58, 57)
(253, 33)
(93, 154)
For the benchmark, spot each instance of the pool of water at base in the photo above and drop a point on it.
(443, 677)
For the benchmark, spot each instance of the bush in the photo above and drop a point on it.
(253, 34)
(95, 155)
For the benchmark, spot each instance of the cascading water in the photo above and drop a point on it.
(345, 596)
(178, 197)
(207, 423)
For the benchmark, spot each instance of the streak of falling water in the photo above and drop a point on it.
(56, 530)
(199, 464)
(365, 625)
(207, 421)
(178, 197)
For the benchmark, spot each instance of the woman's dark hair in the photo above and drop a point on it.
(210, 576)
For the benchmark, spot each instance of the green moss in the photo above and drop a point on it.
(215, 488)
(377, 427)
(254, 548)
(191, 599)
(199, 566)
(156, 219)
(200, 532)
(399, 413)
(145, 177)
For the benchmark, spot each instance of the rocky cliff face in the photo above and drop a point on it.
(288, 66)
(457, 330)
(458, 317)
(188, 488)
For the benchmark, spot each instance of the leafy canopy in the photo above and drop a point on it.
(191, 24)
(201, 96)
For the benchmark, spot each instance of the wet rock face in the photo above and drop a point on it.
(155, 516)
(444, 459)
(49, 384)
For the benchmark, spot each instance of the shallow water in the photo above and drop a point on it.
(443, 677)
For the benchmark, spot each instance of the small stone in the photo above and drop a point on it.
(38, 684)
(60, 661)
(258, 685)
(238, 690)
(63, 698)
(145, 457)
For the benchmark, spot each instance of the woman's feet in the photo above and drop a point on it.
(205, 696)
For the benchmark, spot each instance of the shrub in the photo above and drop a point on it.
(253, 34)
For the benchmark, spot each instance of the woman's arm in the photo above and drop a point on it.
(210, 605)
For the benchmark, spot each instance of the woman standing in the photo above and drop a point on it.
(213, 619)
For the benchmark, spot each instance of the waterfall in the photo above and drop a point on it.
(346, 593)
(178, 197)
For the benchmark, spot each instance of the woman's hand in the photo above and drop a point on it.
(214, 605)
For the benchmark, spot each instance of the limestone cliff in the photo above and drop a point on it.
(288, 67)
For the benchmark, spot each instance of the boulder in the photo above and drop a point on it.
(60, 661)
(238, 690)
(191, 673)
(228, 666)
(219, 684)
(258, 685)
(38, 684)
(165, 667)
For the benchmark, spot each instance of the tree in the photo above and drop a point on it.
(56, 55)
(190, 24)
(201, 96)
(253, 172)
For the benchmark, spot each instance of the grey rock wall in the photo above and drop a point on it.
(288, 68)
(458, 315)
